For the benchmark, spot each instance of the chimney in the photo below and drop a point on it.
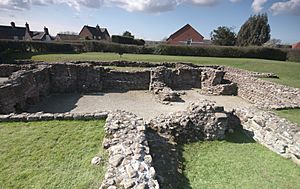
(13, 25)
(46, 30)
(98, 27)
(27, 27)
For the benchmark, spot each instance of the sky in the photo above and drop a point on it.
(152, 19)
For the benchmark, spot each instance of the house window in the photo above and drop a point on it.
(189, 42)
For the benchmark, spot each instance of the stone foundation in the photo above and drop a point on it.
(130, 164)
(263, 93)
(277, 134)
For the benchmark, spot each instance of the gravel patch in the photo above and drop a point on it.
(141, 103)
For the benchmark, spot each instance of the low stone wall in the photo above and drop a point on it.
(7, 69)
(24, 88)
(167, 133)
(277, 134)
(40, 116)
(159, 86)
(263, 93)
(118, 80)
(130, 164)
(213, 83)
(201, 121)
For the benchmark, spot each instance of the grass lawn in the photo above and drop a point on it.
(237, 162)
(54, 154)
(289, 72)
(292, 115)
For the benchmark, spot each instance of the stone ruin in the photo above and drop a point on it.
(28, 83)
(144, 154)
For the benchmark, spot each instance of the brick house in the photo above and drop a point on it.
(296, 45)
(94, 33)
(186, 35)
(13, 32)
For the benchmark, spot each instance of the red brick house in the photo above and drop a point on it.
(94, 33)
(186, 35)
(296, 46)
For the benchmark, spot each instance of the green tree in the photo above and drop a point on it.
(128, 34)
(224, 36)
(255, 31)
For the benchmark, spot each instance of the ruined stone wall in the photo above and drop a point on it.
(278, 134)
(166, 133)
(263, 93)
(23, 89)
(7, 69)
(39, 116)
(67, 78)
(118, 80)
(130, 162)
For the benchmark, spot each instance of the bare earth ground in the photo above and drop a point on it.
(3, 79)
(141, 103)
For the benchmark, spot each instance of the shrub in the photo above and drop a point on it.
(127, 40)
(221, 51)
(293, 55)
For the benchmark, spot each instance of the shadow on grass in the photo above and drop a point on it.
(12, 57)
(169, 162)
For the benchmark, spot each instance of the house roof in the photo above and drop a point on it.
(181, 31)
(9, 31)
(95, 31)
(296, 45)
(67, 36)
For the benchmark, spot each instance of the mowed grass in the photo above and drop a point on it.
(291, 114)
(54, 154)
(289, 72)
(237, 162)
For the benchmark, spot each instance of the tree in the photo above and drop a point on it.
(128, 34)
(272, 43)
(224, 36)
(255, 31)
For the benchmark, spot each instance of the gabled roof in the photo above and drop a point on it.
(181, 31)
(9, 31)
(296, 45)
(100, 33)
(94, 31)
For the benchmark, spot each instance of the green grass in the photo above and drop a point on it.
(237, 162)
(53, 154)
(289, 72)
(292, 115)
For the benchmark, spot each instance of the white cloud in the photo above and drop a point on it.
(145, 5)
(205, 2)
(286, 6)
(290, 6)
(257, 5)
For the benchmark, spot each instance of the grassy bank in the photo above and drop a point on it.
(53, 154)
(292, 115)
(237, 162)
(289, 72)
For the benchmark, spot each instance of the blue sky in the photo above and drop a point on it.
(152, 19)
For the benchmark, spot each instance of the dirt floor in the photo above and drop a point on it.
(3, 79)
(142, 103)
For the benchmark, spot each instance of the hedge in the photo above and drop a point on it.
(293, 55)
(100, 46)
(127, 40)
(221, 51)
